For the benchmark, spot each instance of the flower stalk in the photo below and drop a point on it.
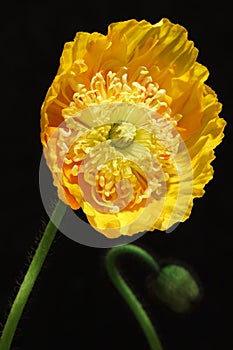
(31, 277)
(145, 323)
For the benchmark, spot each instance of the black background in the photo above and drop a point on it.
(74, 305)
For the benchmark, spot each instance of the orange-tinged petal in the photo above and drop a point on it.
(163, 44)
(201, 145)
(187, 96)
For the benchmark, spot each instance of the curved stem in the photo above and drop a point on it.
(30, 277)
(127, 293)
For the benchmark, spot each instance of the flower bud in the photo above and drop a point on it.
(175, 287)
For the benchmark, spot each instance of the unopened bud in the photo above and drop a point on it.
(175, 287)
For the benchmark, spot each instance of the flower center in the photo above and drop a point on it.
(122, 134)
(119, 155)
(120, 148)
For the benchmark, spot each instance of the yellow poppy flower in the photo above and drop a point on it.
(129, 127)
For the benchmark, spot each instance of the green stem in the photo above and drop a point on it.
(30, 277)
(127, 293)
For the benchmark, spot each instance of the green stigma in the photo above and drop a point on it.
(122, 134)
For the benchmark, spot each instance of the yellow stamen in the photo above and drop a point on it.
(108, 87)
